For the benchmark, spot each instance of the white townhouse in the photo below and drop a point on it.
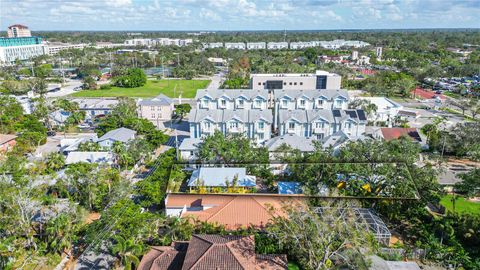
(255, 124)
(232, 99)
(327, 99)
(321, 123)
(301, 45)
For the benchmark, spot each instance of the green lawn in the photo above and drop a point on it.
(188, 88)
(461, 205)
(293, 266)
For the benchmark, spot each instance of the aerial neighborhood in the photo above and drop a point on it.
(221, 150)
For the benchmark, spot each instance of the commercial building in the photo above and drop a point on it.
(157, 110)
(20, 48)
(18, 30)
(256, 45)
(319, 80)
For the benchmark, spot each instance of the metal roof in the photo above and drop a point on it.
(217, 177)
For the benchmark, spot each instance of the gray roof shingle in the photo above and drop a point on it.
(120, 135)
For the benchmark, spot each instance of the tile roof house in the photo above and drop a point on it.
(389, 134)
(230, 210)
(122, 135)
(7, 142)
(212, 252)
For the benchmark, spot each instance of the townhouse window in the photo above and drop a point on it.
(284, 103)
(291, 125)
(348, 125)
(259, 83)
(206, 125)
(301, 83)
(153, 115)
(302, 103)
(261, 136)
(152, 108)
(233, 125)
(263, 83)
(320, 103)
(258, 103)
(191, 153)
(205, 103)
(261, 125)
(319, 124)
(284, 83)
(338, 103)
(223, 103)
(290, 83)
(320, 136)
(241, 103)
(295, 83)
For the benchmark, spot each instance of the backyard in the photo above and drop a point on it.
(461, 205)
(170, 88)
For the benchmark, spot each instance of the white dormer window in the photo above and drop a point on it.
(223, 103)
(291, 126)
(206, 125)
(348, 125)
(241, 103)
(205, 103)
(338, 103)
(320, 103)
(284, 103)
(258, 103)
(233, 125)
(319, 124)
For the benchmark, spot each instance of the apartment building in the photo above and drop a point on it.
(328, 99)
(235, 45)
(256, 45)
(277, 45)
(157, 110)
(319, 80)
(301, 45)
(158, 42)
(321, 123)
(212, 45)
(254, 124)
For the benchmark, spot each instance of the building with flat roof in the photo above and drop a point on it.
(277, 45)
(18, 30)
(55, 47)
(20, 48)
(256, 45)
(318, 80)
(235, 45)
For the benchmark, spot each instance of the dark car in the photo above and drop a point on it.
(51, 133)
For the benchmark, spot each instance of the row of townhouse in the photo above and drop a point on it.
(307, 113)
(320, 124)
(255, 124)
(334, 44)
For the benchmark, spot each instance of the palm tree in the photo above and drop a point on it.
(55, 161)
(127, 251)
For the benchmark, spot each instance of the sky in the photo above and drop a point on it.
(230, 15)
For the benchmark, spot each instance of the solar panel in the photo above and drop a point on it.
(336, 113)
(361, 115)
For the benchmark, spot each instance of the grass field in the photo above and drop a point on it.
(153, 88)
(461, 205)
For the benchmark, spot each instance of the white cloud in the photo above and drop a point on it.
(118, 3)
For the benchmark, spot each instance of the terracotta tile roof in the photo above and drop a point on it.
(232, 211)
(4, 138)
(395, 133)
(162, 258)
(206, 252)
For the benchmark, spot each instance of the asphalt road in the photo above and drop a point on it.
(65, 90)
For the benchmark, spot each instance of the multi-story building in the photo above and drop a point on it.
(301, 45)
(319, 80)
(232, 99)
(378, 53)
(20, 48)
(54, 48)
(311, 99)
(277, 45)
(256, 45)
(212, 45)
(254, 124)
(321, 123)
(158, 42)
(157, 110)
(18, 30)
(235, 45)
(95, 107)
